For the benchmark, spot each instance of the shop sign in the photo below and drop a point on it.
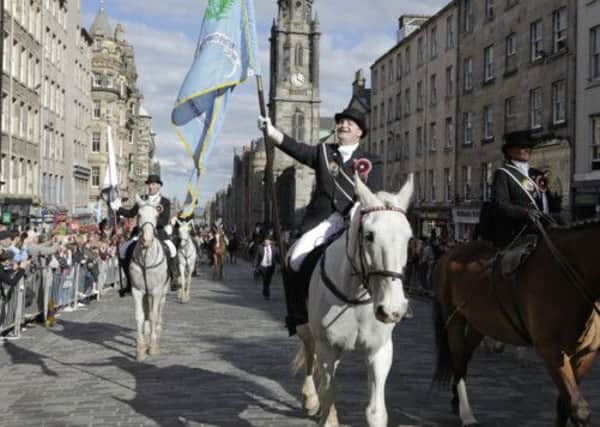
(6, 217)
(586, 199)
(433, 216)
(465, 215)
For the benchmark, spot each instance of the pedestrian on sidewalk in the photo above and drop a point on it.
(266, 259)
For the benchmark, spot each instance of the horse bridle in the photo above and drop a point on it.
(362, 270)
(144, 266)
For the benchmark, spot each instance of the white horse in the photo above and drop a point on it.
(150, 280)
(186, 256)
(356, 298)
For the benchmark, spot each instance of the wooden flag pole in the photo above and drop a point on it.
(270, 191)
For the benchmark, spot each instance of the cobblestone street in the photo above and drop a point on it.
(225, 362)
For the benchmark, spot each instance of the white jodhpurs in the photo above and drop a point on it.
(125, 246)
(172, 248)
(313, 238)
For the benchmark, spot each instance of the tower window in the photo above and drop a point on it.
(298, 125)
(299, 55)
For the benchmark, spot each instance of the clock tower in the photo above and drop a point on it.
(294, 99)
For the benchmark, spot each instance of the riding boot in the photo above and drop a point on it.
(126, 290)
(174, 273)
(296, 289)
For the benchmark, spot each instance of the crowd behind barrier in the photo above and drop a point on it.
(63, 271)
(45, 290)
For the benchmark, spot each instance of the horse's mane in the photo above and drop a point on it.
(576, 225)
(386, 198)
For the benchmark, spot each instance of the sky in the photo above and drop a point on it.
(164, 34)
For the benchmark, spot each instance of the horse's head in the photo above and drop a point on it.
(184, 229)
(148, 213)
(378, 245)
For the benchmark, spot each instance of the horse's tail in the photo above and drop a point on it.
(299, 360)
(443, 369)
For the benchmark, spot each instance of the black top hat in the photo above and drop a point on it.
(354, 115)
(153, 178)
(520, 138)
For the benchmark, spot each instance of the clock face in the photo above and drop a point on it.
(297, 79)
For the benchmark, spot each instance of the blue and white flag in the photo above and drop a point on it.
(226, 55)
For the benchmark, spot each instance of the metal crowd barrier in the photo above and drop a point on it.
(59, 288)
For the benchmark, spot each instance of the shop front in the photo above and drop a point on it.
(465, 220)
(15, 211)
(430, 220)
(586, 200)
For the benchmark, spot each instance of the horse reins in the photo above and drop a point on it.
(145, 250)
(362, 270)
(366, 275)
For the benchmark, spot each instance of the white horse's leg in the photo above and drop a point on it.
(310, 398)
(328, 359)
(161, 306)
(187, 279)
(138, 297)
(464, 408)
(154, 309)
(378, 365)
(147, 325)
(181, 290)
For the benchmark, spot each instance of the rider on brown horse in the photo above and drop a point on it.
(520, 193)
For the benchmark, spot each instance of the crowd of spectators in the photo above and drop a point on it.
(26, 248)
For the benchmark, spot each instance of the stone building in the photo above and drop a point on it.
(516, 72)
(78, 108)
(413, 114)
(143, 156)
(361, 101)
(247, 187)
(117, 101)
(22, 57)
(586, 185)
(55, 79)
(294, 100)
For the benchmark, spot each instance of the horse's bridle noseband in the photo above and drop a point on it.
(362, 269)
(366, 275)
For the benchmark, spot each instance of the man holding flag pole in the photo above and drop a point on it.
(226, 55)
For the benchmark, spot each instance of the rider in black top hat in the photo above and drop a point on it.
(332, 198)
(154, 184)
(519, 192)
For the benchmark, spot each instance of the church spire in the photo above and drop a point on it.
(101, 26)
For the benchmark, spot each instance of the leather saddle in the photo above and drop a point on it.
(509, 260)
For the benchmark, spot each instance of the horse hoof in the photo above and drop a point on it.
(310, 404)
(140, 355)
(312, 411)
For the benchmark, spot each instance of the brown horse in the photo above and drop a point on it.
(219, 249)
(541, 307)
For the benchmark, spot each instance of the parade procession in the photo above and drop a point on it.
(300, 213)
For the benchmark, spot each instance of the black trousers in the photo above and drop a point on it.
(267, 276)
